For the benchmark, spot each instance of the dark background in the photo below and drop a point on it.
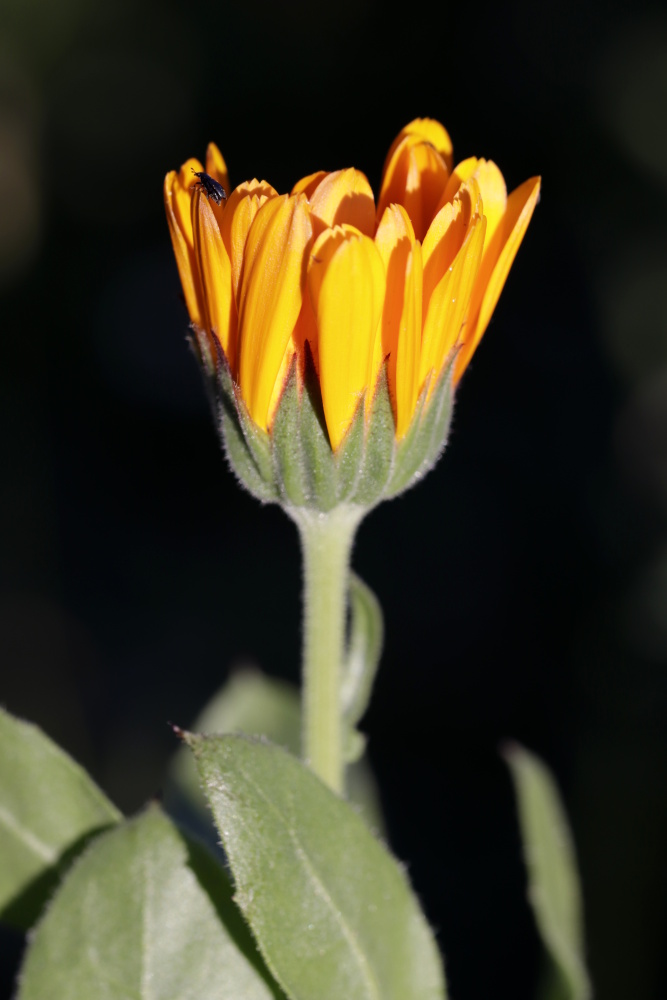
(524, 583)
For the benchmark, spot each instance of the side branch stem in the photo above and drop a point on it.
(326, 545)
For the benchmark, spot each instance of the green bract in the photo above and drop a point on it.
(295, 465)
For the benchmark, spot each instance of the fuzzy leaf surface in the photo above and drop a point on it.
(330, 908)
(254, 704)
(49, 808)
(553, 881)
(145, 914)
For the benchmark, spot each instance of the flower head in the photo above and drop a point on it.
(395, 295)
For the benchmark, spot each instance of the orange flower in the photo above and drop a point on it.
(412, 284)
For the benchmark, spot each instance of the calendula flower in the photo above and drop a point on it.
(320, 287)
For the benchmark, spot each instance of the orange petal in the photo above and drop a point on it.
(307, 185)
(498, 258)
(215, 274)
(180, 229)
(344, 196)
(242, 206)
(395, 240)
(306, 330)
(346, 280)
(415, 177)
(427, 130)
(270, 297)
(449, 302)
(216, 166)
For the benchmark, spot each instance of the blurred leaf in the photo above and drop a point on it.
(257, 705)
(631, 299)
(148, 914)
(253, 703)
(629, 77)
(553, 882)
(330, 908)
(49, 809)
(363, 657)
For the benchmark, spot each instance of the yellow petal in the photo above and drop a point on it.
(394, 239)
(182, 196)
(443, 241)
(346, 280)
(492, 188)
(450, 301)
(215, 275)
(409, 343)
(415, 177)
(177, 205)
(216, 166)
(240, 210)
(446, 236)
(308, 184)
(344, 197)
(494, 195)
(427, 130)
(394, 225)
(304, 331)
(498, 258)
(462, 172)
(270, 297)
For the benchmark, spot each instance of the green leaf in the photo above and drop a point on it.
(146, 914)
(331, 910)
(257, 705)
(553, 882)
(49, 809)
(363, 654)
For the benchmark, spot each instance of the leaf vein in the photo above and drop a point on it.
(44, 851)
(315, 879)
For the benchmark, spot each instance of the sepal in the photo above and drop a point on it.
(294, 465)
(380, 447)
(426, 437)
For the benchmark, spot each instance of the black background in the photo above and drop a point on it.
(524, 583)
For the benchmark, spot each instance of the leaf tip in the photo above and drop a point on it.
(509, 749)
(182, 734)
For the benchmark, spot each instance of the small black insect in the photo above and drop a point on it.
(213, 189)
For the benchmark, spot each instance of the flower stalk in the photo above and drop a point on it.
(326, 544)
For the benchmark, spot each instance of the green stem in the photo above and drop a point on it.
(326, 544)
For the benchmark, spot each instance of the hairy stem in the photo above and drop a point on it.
(326, 544)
